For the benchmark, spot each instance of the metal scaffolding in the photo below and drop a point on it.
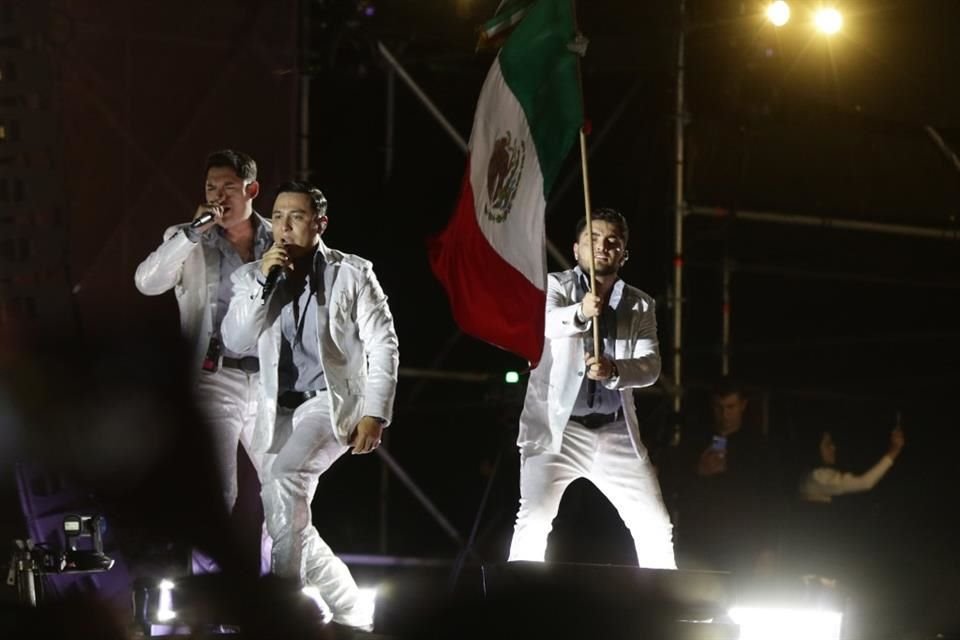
(34, 288)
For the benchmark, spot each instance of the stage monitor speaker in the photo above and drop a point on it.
(620, 601)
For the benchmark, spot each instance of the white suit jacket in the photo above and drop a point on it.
(358, 344)
(192, 270)
(555, 383)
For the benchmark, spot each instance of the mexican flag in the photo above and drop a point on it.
(491, 258)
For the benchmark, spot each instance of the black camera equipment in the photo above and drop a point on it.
(30, 561)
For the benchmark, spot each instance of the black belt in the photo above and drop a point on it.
(248, 364)
(597, 420)
(293, 399)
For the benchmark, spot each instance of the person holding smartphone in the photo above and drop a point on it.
(723, 486)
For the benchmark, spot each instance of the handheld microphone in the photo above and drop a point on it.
(273, 277)
(202, 220)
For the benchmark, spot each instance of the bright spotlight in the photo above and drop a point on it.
(778, 13)
(166, 615)
(763, 623)
(165, 612)
(828, 20)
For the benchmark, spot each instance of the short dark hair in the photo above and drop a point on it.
(727, 386)
(606, 214)
(318, 201)
(242, 164)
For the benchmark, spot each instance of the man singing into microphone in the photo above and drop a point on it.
(196, 260)
(325, 336)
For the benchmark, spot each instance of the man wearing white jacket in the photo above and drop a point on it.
(196, 260)
(328, 349)
(579, 419)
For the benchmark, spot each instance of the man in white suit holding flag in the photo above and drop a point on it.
(579, 418)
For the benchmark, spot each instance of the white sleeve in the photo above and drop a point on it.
(834, 483)
(162, 269)
(561, 320)
(246, 315)
(643, 368)
(379, 338)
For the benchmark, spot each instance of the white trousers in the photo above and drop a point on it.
(304, 447)
(607, 458)
(228, 399)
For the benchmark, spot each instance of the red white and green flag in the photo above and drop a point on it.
(491, 258)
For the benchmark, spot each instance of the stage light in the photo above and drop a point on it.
(778, 13)
(828, 20)
(763, 623)
(165, 612)
(511, 377)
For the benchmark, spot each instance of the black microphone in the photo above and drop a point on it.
(202, 220)
(273, 277)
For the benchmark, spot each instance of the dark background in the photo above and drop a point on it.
(830, 327)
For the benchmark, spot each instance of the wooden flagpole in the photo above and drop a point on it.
(589, 228)
(587, 207)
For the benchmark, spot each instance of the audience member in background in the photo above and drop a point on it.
(825, 481)
(728, 490)
(823, 541)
